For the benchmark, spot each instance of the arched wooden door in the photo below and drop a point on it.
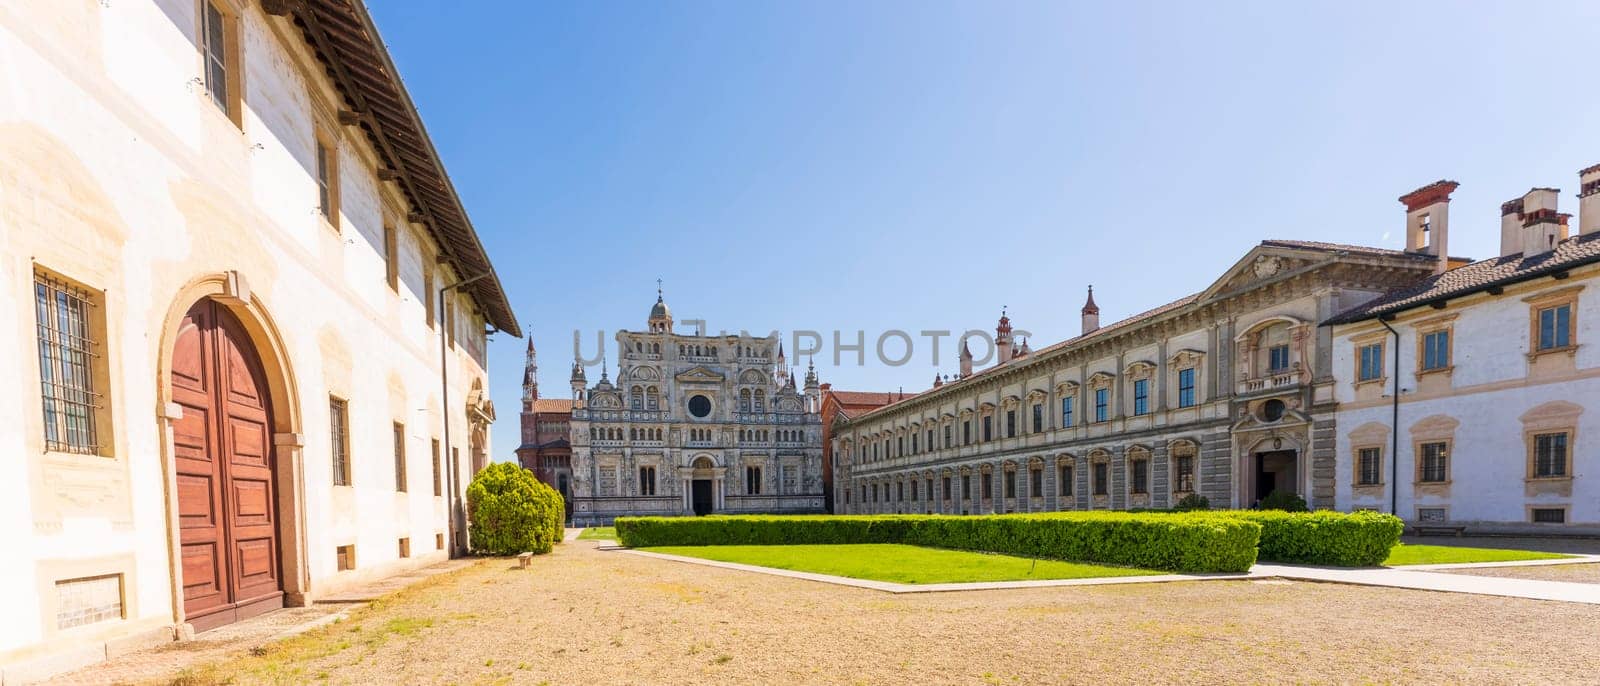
(227, 495)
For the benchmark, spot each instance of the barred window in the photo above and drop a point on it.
(338, 427)
(1101, 479)
(1550, 455)
(1036, 482)
(1183, 473)
(1064, 479)
(1141, 476)
(1435, 466)
(1011, 484)
(67, 360)
(1371, 464)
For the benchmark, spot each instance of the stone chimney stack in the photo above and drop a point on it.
(1511, 227)
(1002, 337)
(1428, 221)
(1541, 226)
(1091, 314)
(1589, 200)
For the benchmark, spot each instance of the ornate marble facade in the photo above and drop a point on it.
(694, 425)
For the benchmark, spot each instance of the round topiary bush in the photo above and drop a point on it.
(512, 512)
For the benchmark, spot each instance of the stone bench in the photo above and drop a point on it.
(524, 559)
(1438, 530)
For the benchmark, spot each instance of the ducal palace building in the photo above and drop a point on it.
(694, 424)
(1451, 392)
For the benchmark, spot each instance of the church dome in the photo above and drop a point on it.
(660, 311)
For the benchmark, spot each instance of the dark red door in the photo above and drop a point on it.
(227, 499)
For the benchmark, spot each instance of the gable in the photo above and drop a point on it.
(699, 375)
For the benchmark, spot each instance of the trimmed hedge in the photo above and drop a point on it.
(1358, 539)
(512, 512)
(1197, 542)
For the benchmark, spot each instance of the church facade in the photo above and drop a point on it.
(694, 425)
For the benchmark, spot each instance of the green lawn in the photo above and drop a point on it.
(904, 564)
(598, 533)
(1446, 554)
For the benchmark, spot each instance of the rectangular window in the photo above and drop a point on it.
(913, 489)
(945, 486)
(347, 557)
(214, 51)
(1011, 423)
(1102, 484)
(988, 428)
(1101, 402)
(1063, 479)
(1549, 515)
(1371, 362)
(913, 444)
(1141, 476)
(900, 491)
(1550, 455)
(391, 256)
(438, 541)
(1011, 484)
(1038, 417)
(966, 432)
(1436, 350)
(930, 439)
(1278, 358)
(1183, 473)
(405, 547)
(1036, 482)
(399, 457)
(752, 481)
(69, 366)
(647, 481)
(1066, 412)
(947, 435)
(1370, 466)
(1434, 464)
(966, 486)
(325, 182)
(1555, 327)
(988, 487)
(1186, 387)
(438, 481)
(1141, 397)
(430, 299)
(338, 428)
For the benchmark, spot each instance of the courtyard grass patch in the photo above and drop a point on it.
(897, 563)
(1410, 554)
(598, 533)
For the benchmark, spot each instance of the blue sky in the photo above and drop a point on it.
(917, 165)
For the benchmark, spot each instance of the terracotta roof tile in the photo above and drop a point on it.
(1478, 276)
(553, 405)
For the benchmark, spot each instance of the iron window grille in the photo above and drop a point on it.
(1550, 455)
(1435, 466)
(67, 353)
(1371, 466)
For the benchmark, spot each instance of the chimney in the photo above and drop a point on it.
(1542, 226)
(1428, 221)
(1002, 337)
(1511, 227)
(1091, 314)
(1589, 200)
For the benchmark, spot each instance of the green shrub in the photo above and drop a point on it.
(1198, 542)
(512, 512)
(1191, 502)
(1359, 539)
(1283, 500)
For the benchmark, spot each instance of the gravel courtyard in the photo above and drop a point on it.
(585, 616)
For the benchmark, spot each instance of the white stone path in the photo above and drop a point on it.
(1415, 578)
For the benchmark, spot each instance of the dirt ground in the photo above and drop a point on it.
(585, 616)
(1587, 573)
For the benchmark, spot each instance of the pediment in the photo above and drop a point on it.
(1259, 265)
(699, 375)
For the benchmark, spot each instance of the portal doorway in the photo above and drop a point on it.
(225, 465)
(702, 497)
(1276, 470)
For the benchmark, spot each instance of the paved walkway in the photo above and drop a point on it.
(1391, 577)
(169, 658)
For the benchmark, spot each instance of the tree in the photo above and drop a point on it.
(512, 512)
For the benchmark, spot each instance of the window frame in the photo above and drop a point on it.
(93, 394)
(1102, 405)
(1550, 301)
(1186, 392)
(1423, 472)
(1566, 436)
(231, 100)
(1360, 456)
(1377, 366)
(1141, 397)
(339, 436)
(325, 163)
(400, 473)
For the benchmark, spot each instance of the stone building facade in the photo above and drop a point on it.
(1226, 394)
(243, 374)
(694, 425)
(838, 406)
(1491, 374)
